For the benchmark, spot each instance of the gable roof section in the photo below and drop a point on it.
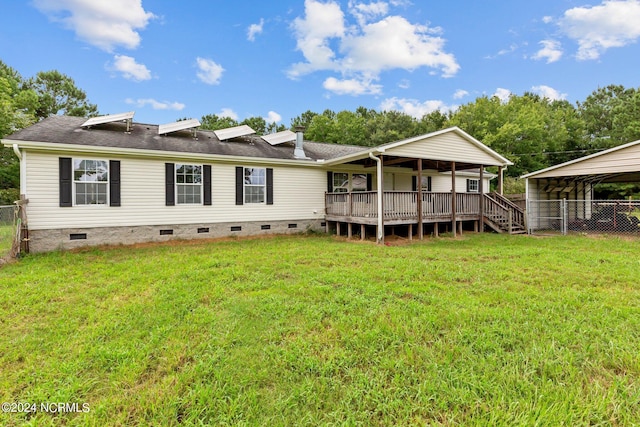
(452, 144)
(621, 159)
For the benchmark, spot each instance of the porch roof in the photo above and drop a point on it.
(439, 149)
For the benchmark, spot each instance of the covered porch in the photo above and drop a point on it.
(443, 155)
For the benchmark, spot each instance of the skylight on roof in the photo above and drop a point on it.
(111, 118)
(178, 126)
(234, 132)
(280, 137)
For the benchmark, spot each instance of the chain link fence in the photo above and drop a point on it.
(584, 216)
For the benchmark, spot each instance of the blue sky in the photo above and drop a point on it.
(172, 59)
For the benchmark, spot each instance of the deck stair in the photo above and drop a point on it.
(502, 215)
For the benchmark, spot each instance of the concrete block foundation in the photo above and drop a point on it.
(71, 238)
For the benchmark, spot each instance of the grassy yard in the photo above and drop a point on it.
(481, 330)
(6, 239)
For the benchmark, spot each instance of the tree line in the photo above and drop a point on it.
(532, 131)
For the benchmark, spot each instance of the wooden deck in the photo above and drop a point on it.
(400, 207)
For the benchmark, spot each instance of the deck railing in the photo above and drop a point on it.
(401, 205)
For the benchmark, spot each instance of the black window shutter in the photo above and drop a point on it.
(369, 182)
(329, 182)
(414, 183)
(170, 188)
(239, 185)
(269, 186)
(206, 180)
(65, 182)
(114, 182)
(468, 185)
(428, 183)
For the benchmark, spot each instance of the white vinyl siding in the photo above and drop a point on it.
(447, 147)
(143, 196)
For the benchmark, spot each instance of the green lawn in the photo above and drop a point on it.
(6, 239)
(480, 330)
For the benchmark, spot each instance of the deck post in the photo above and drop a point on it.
(349, 230)
(481, 191)
(419, 188)
(453, 198)
(436, 229)
(363, 229)
(410, 232)
(337, 228)
(500, 180)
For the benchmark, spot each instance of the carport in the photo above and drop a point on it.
(561, 198)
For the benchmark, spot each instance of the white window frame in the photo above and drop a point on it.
(342, 177)
(178, 185)
(470, 185)
(246, 196)
(76, 182)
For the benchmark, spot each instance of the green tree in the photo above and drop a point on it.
(214, 122)
(58, 94)
(303, 120)
(598, 113)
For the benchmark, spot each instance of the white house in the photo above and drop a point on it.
(108, 180)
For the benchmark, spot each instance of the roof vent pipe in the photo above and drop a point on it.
(298, 153)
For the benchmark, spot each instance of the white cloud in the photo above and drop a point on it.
(502, 94)
(549, 93)
(613, 23)
(351, 86)
(255, 29)
(156, 105)
(396, 43)
(404, 84)
(360, 52)
(367, 12)
(273, 117)
(130, 69)
(228, 112)
(551, 51)
(547, 19)
(210, 72)
(460, 93)
(414, 107)
(101, 24)
(322, 21)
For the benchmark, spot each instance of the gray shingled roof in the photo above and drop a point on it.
(68, 130)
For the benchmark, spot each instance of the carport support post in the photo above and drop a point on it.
(453, 198)
(419, 188)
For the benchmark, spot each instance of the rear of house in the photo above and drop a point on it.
(113, 181)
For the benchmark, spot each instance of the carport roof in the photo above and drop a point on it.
(618, 164)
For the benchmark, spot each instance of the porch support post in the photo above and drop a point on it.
(349, 230)
(419, 188)
(500, 180)
(481, 191)
(380, 194)
(362, 231)
(381, 200)
(453, 198)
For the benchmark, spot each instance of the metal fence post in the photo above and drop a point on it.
(565, 217)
